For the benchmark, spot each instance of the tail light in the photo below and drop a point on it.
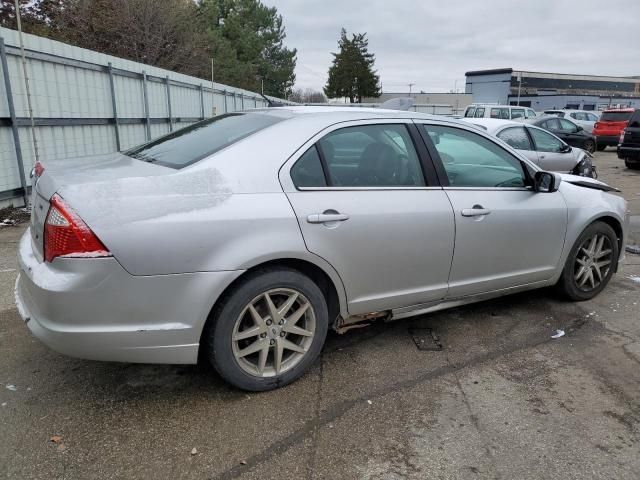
(66, 234)
(596, 125)
(621, 139)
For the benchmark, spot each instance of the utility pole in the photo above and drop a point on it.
(213, 94)
(519, 85)
(28, 91)
(410, 85)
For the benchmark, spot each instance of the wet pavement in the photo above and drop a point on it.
(501, 399)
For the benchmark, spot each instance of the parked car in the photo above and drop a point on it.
(540, 146)
(607, 130)
(584, 118)
(505, 112)
(569, 131)
(243, 238)
(629, 143)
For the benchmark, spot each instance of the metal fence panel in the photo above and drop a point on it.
(87, 103)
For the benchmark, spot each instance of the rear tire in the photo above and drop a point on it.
(590, 146)
(590, 264)
(268, 331)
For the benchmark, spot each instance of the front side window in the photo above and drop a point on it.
(531, 113)
(567, 126)
(195, 142)
(591, 117)
(307, 171)
(371, 156)
(517, 113)
(479, 112)
(471, 160)
(470, 111)
(545, 142)
(516, 137)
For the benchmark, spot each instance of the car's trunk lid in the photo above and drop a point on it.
(81, 171)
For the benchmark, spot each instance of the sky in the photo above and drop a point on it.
(432, 43)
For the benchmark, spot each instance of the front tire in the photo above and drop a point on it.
(600, 148)
(632, 166)
(591, 263)
(268, 331)
(590, 146)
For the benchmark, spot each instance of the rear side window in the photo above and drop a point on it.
(516, 137)
(479, 112)
(615, 116)
(371, 156)
(195, 142)
(307, 171)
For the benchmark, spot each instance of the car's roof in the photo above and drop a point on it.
(608, 110)
(492, 124)
(295, 111)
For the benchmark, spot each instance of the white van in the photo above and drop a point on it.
(504, 112)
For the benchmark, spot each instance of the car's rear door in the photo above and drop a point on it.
(507, 235)
(382, 221)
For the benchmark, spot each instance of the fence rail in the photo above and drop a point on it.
(87, 103)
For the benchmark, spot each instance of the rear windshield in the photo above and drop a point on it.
(195, 142)
(615, 116)
(635, 119)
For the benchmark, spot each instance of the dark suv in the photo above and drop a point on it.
(629, 144)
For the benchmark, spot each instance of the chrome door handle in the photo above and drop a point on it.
(327, 217)
(476, 211)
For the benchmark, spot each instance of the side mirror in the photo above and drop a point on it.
(579, 129)
(546, 182)
(565, 148)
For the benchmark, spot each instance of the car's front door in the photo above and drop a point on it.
(364, 204)
(553, 154)
(507, 235)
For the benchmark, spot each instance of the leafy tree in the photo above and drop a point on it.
(352, 73)
(244, 37)
(246, 40)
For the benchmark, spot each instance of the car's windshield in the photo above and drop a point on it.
(615, 116)
(195, 142)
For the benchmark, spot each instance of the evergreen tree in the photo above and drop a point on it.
(352, 73)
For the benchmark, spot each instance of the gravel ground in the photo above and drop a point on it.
(501, 399)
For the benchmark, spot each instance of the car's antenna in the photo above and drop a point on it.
(271, 103)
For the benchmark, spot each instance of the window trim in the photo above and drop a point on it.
(429, 174)
(442, 173)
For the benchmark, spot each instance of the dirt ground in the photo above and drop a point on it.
(501, 399)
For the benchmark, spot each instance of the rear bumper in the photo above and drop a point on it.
(608, 140)
(629, 153)
(92, 308)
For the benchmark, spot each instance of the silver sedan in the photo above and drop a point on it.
(243, 238)
(540, 146)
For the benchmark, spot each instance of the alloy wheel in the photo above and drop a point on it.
(593, 262)
(273, 332)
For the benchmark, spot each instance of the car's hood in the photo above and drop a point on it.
(587, 182)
